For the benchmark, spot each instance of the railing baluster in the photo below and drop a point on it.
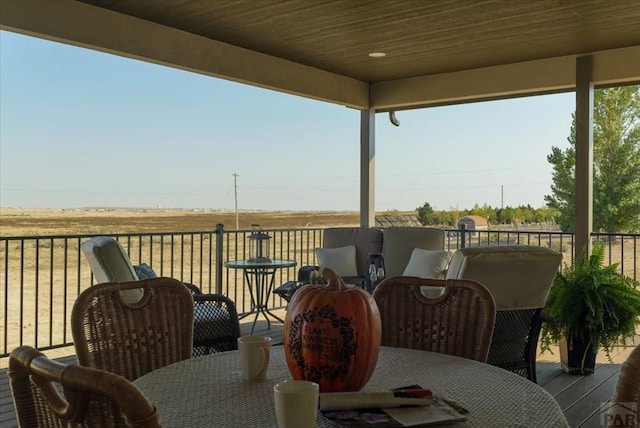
(22, 288)
(219, 257)
(5, 335)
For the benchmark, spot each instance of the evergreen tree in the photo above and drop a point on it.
(616, 169)
(425, 214)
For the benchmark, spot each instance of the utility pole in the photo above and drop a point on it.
(235, 192)
(502, 197)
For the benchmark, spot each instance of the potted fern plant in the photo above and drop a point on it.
(593, 306)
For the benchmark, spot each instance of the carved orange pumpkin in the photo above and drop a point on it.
(332, 335)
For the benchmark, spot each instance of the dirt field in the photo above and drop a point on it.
(16, 222)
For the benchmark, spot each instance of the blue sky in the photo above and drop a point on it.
(81, 128)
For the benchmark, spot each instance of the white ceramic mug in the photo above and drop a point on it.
(254, 357)
(296, 403)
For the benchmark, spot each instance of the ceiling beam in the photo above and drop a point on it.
(80, 24)
(615, 66)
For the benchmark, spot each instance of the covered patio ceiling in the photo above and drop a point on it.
(437, 52)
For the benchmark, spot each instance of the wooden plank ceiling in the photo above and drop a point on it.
(437, 51)
(419, 37)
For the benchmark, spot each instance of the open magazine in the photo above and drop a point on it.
(422, 413)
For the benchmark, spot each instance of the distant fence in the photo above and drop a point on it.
(42, 275)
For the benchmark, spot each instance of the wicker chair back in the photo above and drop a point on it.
(459, 321)
(626, 397)
(131, 339)
(47, 393)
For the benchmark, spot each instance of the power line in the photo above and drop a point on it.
(456, 172)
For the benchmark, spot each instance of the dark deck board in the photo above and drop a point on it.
(586, 397)
(580, 397)
(583, 385)
(583, 410)
(547, 373)
(561, 383)
(7, 415)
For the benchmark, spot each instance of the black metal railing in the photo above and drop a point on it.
(42, 275)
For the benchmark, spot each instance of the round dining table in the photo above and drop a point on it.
(208, 391)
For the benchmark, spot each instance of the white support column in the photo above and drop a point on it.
(367, 168)
(584, 154)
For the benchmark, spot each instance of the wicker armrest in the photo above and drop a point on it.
(193, 288)
(287, 289)
(545, 317)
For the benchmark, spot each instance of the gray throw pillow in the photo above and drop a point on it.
(144, 271)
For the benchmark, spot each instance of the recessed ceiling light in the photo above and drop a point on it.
(377, 54)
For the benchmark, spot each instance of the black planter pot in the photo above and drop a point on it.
(571, 357)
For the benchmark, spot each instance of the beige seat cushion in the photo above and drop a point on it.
(110, 263)
(399, 243)
(518, 276)
(366, 240)
(108, 260)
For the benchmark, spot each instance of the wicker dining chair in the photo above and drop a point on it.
(133, 338)
(216, 325)
(626, 397)
(459, 321)
(47, 393)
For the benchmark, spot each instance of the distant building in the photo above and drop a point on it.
(397, 221)
(473, 222)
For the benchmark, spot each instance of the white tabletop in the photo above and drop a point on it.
(207, 391)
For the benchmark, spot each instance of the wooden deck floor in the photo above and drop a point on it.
(580, 397)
